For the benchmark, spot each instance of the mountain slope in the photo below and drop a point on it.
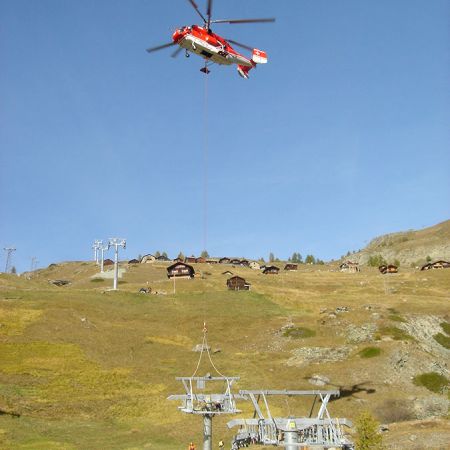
(410, 247)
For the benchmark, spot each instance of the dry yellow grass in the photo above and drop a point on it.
(88, 368)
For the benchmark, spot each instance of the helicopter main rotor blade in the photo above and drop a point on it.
(160, 47)
(235, 21)
(241, 45)
(208, 13)
(176, 52)
(194, 5)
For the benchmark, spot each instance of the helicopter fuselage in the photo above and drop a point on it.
(208, 45)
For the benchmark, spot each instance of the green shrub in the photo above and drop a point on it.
(446, 327)
(433, 381)
(395, 333)
(368, 436)
(376, 261)
(443, 340)
(299, 332)
(97, 280)
(370, 352)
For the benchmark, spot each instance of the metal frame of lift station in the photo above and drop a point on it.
(292, 433)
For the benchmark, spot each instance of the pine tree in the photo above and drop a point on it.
(164, 254)
(271, 257)
(205, 254)
(310, 259)
(181, 256)
(368, 436)
(157, 254)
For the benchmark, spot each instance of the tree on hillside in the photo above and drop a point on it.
(319, 261)
(428, 258)
(164, 254)
(310, 259)
(157, 254)
(261, 260)
(204, 254)
(296, 258)
(271, 257)
(181, 256)
(368, 436)
(13, 270)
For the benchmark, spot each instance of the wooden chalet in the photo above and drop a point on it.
(190, 259)
(212, 261)
(178, 259)
(436, 265)
(238, 284)
(162, 258)
(200, 260)
(133, 261)
(388, 269)
(349, 266)
(271, 270)
(108, 262)
(224, 260)
(235, 261)
(254, 265)
(148, 259)
(290, 266)
(180, 270)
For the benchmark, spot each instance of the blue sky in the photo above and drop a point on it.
(342, 136)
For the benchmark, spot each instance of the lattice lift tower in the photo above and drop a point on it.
(9, 251)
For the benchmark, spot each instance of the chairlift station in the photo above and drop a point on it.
(319, 431)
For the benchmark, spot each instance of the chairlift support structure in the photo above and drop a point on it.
(292, 433)
(208, 405)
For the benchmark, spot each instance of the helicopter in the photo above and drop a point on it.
(201, 41)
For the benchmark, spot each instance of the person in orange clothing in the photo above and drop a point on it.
(191, 446)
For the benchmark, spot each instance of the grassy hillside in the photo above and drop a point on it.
(82, 367)
(410, 247)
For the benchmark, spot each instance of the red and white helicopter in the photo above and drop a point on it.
(212, 47)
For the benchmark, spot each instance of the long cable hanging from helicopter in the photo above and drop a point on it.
(214, 49)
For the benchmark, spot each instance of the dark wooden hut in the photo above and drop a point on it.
(271, 270)
(238, 284)
(108, 262)
(436, 265)
(190, 259)
(290, 266)
(390, 268)
(180, 270)
(133, 261)
(235, 261)
(162, 258)
(224, 260)
(200, 260)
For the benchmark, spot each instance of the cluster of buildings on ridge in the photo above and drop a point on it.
(353, 267)
(182, 268)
